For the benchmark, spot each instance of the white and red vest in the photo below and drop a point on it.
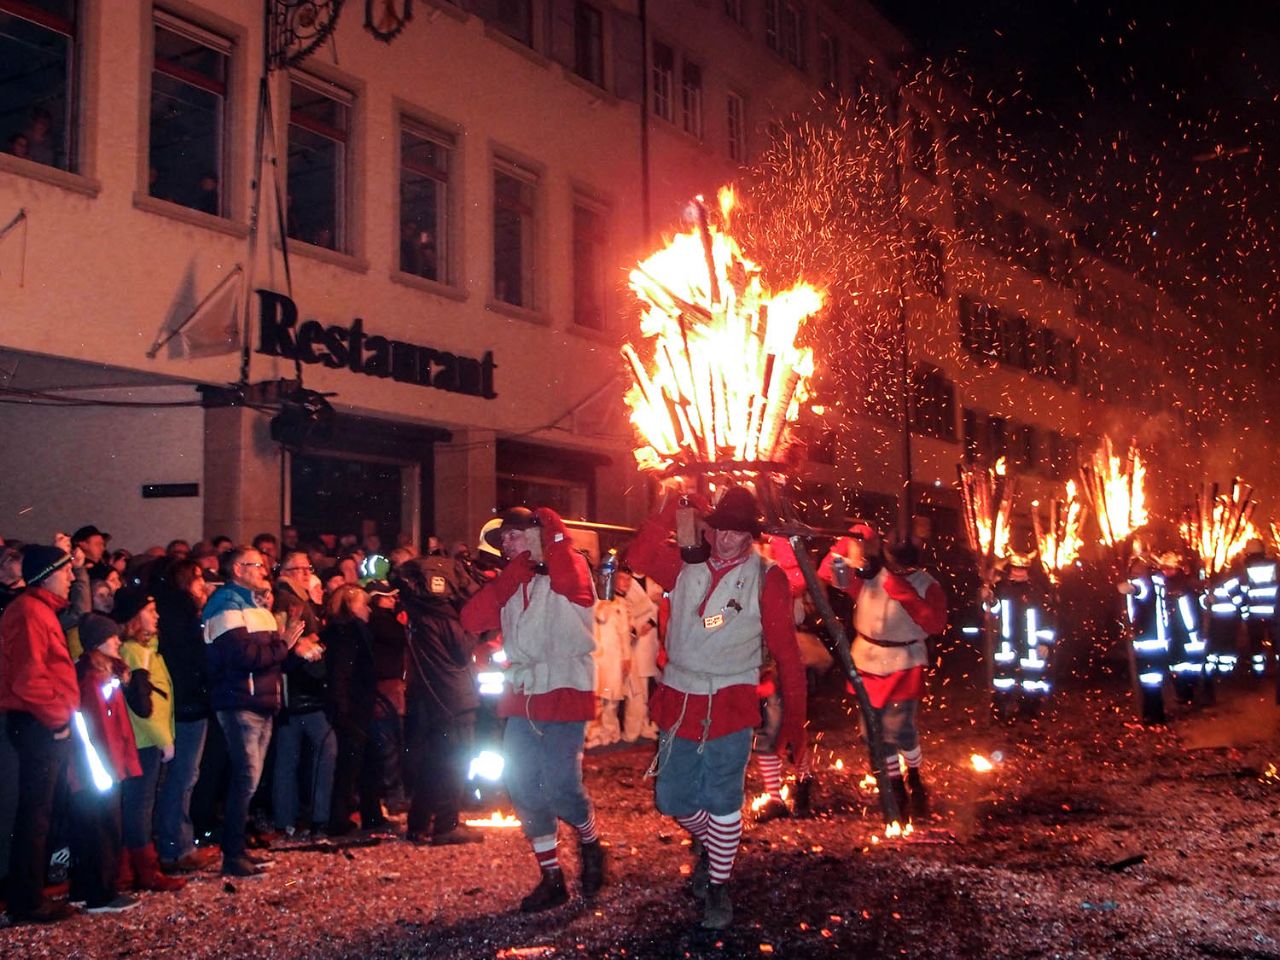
(550, 643)
(877, 616)
(723, 645)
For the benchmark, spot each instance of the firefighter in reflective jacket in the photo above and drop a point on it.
(1258, 605)
(1187, 646)
(1224, 598)
(1023, 638)
(1148, 619)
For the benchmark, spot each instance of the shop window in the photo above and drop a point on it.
(514, 207)
(736, 114)
(664, 78)
(588, 43)
(318, 166)
(934, 407)
(589, 244)
(691, 98)
(512, 17)
(784, 30)
(828, 62)
(188, 116)
(426, 163)
(39, 95)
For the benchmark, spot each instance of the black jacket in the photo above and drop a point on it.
(441, 681)
(306, 682)
(389, 641)
(182, 646)
(353, 686)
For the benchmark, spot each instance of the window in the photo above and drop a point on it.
(1014, 335)
(426, 162)
(691, 98)
(828, 62)
(38, 81)
(733, 10)
(664, 73)
(188, 116)
(514, 208)
(784, 30)
(588, 43)
(979, 328)
(934, 396)
(319, 131)
(736, 114)
(588, 265)
(512, 17)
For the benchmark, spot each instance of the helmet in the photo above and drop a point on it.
(488, 533)
(374, 567)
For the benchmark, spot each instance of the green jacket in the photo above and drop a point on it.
(156, 730)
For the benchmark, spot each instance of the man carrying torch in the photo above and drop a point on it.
(897, 606)
(706, 706)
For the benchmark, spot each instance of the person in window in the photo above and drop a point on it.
(207, 199)
(39, 134)
(19, 146)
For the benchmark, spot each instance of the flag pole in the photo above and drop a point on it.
(160, 343)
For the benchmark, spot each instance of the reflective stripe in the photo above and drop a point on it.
(1143, 590)
(1227, 608)
(101, 778)
(1194, 646)
(1035, 686)
(1261, 573)
(1006, 626)
(1003, 683)
(1150, 646)
(1262, 592)
(1151, 679)
(971, 631)
(1187, 609)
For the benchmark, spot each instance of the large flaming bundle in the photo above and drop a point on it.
(1218, 525)
(1114, 488)
(987, 495)
(726, 378)
(1059, 537)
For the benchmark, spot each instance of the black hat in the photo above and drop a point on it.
(517, 518)
(736, 510)
(84, 533)
(39, 560)
(129, 602)
(905, 554)
(380, 588)
(96, 629)
(428, 578)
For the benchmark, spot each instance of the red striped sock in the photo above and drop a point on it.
(723, 837)
(913, 757)
(770, 767)
(696, 824)
(587, 831)
(544, 849)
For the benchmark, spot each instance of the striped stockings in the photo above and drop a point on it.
(544, 849)
(770, 767)
(723, 836)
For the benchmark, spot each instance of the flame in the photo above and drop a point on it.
(987, 497)
(868, 783)
(1114, 487)
(758, 803)
(726, 377)
(496, 819)
(895, 831)
(981, 763)
(838, 765)
(1059, 539)
(1218, 526)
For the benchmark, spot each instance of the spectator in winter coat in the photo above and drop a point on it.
(543, 600)
(306, 697)
(441, 701)
(40, 692)
(180, 599)
(245, 650)
(153, 733)
(387, 629)
(352, 688)
(10, 574)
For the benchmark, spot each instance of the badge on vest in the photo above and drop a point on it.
(711, 623)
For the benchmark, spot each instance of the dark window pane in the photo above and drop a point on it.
(37, 106)
(588, 268)
(588, 43)
(317, 167)
(186, 136)
(512, 239)
(424, 184)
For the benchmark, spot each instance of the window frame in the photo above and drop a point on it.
(597, 75)
(736, 141)
(600, 210)
(345, 232)
(662, 82)
(532, 177)
(692, 99)
(448, 135)
(75, 133)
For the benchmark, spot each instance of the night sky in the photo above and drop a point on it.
(1159, 123)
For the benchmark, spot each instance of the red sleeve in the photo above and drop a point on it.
(652, 553)
(570, 575)
(929, 611)
(825, 574)
(785, 557)
(483, 611)
(26, 646)
(780, 637)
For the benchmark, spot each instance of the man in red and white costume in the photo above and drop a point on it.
(706, 706)
(543, 602)
(896, 607)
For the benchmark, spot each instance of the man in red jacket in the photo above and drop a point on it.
(707, 705)
(897, 606)
(40, 693)
(543, 601)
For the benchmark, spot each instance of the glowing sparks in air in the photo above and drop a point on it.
(1217, 526)
(727, 377)
(1059, 537)
(1115, 489)
(987, 496)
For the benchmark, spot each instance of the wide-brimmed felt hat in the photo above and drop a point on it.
(737, 510)
(516, 518)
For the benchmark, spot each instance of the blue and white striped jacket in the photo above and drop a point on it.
(243, 652)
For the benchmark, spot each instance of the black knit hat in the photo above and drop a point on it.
(96, 629)
(38, 561)
(129, 602)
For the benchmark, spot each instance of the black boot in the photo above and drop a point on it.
(774, 809)
(592, 855)
(900, 794)
(802, 805)
(550, 892)
(919, 806)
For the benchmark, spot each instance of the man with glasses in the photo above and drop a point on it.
(244, 652)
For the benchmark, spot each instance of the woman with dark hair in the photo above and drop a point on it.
(179, 600)
(353, 687)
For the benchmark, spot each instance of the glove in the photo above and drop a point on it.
(518, 571)
(553, 528)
